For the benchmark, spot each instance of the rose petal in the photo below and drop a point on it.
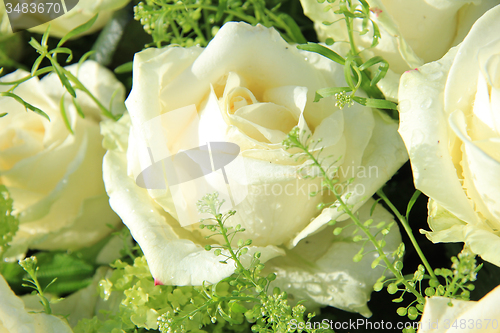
(232, 51)
(445, 226)
(462, 78)
(424, 129)
(15, 319)
(171, 259)
(481, 170)
(156, 67)
(383, 156)
(80, 14)
(438, 314)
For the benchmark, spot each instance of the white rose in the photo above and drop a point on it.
(14, 318)
(54, 177)
(251, 88)
(450, 122)
(412, 32)
(462, 316)
(4, 21)
(78, 15)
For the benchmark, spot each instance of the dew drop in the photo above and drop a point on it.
(404, 105)
(435, 76)
(417, 137)
(150, 236)
(426, 104)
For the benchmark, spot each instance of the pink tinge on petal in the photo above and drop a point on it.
(158, 283)
(408, 71)
(377, 11)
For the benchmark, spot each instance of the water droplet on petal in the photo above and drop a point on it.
(417, 137)
(426, 104)
(404, 105)
(435, 76)
(150, 236)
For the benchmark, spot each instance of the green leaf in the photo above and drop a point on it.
(347, 73)
(63, 50)
(327, 92)
(45, 36)
(372, 209)
(78, 30)
(376, 34)
(64, 80)
(236, 307)
(34, 43)
(412, 201)
(85, 57)
(220, 10)
(376, 103)
(65, 115)
(124, 68)
(371, 62)
(322, 50)
(36, 64)
(26, 104)
(78, 107)
(293, 29)
(226, 316)
(26, 78)
(381, 71)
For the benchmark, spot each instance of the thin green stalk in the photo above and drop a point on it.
(43, 299)
(390, 266)
(408, 230)
(233, 255)
(81, 87)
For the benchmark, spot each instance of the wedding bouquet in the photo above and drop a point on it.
(250, 166)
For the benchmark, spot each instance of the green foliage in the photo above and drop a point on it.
(321, 166)
(30, 266)
(195, 22)
(463, 270)
(356, 73)
(247, 287)
(68, 80)
(457, 280)
(9, 223)
(231, 305)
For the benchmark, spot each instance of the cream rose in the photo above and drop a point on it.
(412, 32)
(14, 318)
(54, 177)
(81, 13)
(250, 88)
(450, 122)
(462, 316)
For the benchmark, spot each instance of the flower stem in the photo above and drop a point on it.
(389, 264)
(408, 230)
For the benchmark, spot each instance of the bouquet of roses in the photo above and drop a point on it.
(250, 166)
